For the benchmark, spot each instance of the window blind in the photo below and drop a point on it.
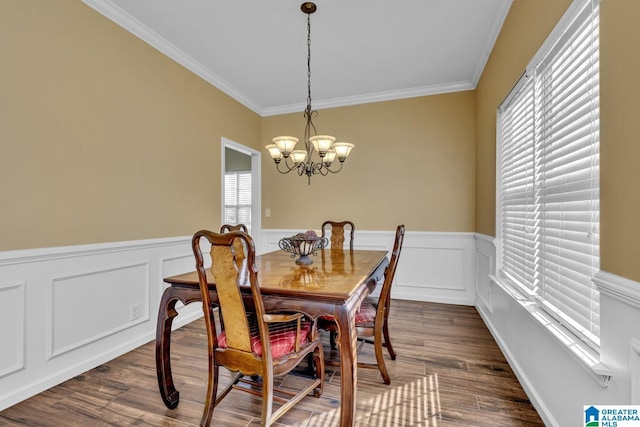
(549, 180)
(237, 195)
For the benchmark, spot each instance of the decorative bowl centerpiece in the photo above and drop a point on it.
(303, 245)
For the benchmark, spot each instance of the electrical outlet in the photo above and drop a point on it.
(134, 312)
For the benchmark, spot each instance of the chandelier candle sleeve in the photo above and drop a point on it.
(274, 152)
(322, 143)
(285, 144)
(342, 150)
(298, 156)
(325, 146)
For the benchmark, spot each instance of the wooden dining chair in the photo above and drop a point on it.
(338, 231)
(253, 343)
(233, 227)
(372, 320)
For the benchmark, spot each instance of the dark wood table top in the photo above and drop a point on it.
(334, 275)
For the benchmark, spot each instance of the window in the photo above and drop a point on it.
(548, 177)
(237, 203)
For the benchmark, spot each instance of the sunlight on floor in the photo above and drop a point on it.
(416, 404)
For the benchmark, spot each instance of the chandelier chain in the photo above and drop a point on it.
(309, 62)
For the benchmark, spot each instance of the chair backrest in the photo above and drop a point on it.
(231, 269)
(389, 274)
(338, 231)
(237, 227)
(226, 228)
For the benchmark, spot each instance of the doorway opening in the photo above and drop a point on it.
(241, 187)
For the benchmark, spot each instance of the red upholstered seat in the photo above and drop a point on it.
(282, 337)
(366, 316)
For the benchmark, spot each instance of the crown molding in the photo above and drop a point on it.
(372, 97)
(132, 25)
(496, 27)
(135, 27)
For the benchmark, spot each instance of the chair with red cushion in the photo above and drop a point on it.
(253, 343)
(338, 231)
(372, 320)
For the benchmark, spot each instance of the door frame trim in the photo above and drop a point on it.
(256, 185)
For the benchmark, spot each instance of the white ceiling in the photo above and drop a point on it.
(361, 50)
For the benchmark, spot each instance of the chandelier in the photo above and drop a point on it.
(326, 147)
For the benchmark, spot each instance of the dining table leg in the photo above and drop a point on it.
(347, 342)
(166, 313)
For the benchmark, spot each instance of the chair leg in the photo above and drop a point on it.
(380, 357)
(318, 357)
(312, 364)
(332, 339)
(210, 399)
(387, 341)
(267, 399)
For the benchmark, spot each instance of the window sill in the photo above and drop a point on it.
(581, 352)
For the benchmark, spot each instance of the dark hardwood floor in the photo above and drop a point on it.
(449, 372)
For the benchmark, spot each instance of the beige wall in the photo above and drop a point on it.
(526, 27)
(414, 163)
(102, 137)
(620, 138)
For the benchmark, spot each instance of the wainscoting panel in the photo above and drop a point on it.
(485, 264)
(172, 266)
(68, 309)
(105, 312)
(437, 267)
(12, 307)
(441, 268)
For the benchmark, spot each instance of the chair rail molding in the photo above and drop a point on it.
(618, 287)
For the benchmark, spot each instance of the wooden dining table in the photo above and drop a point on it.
(336, 283)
